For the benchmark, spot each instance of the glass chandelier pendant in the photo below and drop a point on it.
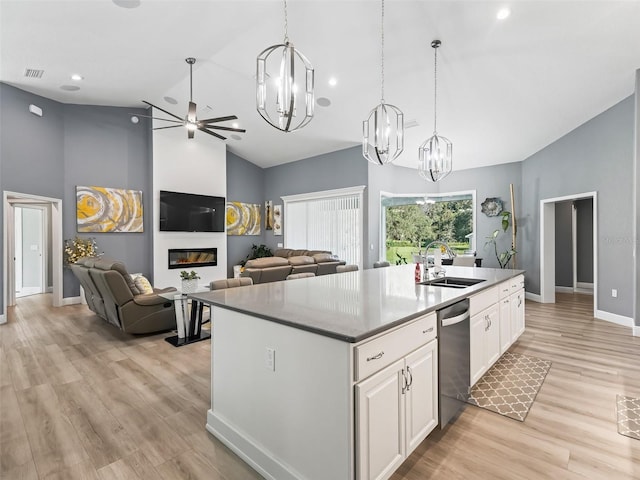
(435, 154)
(282, 114)
(383, 130)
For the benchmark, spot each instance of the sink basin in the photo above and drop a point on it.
(452, 282)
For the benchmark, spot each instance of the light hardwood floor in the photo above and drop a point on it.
(80, 400)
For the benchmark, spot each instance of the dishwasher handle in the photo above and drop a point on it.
(453, 320)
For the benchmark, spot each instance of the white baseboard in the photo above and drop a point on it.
(615, 318)
(584, 291)
(3, 319)
(560, 289)
(585, 285)
(49, 290)
(533, 297)
(71, 300)
(636, 331)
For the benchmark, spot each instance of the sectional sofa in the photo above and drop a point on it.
(286, 261)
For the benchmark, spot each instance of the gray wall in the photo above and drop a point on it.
(77, 145)
(341, 169)
(564, 244)
(584, 227)
(245, 183)
(597, 156)
(487, 181)
(636, 237)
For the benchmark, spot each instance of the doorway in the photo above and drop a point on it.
(52, 211)
(31, 249)
(548, 246)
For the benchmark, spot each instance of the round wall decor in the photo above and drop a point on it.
(491, 207)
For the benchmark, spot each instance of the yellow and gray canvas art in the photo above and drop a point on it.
(243, 218)
(102, 209)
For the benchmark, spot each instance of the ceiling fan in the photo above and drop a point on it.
(191, 120)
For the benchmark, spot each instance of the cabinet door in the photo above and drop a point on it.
(477, 358)
(380, 432)
(421, 397)
(492, 336)
(505, 324)
(517, 314)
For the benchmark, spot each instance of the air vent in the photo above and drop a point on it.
(33, 73)
(411, 124)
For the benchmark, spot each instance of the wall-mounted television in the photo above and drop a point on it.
(188, 212)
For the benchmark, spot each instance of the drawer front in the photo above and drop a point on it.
(517, 283)
(505, 289)
(484, 299)
(382, 351)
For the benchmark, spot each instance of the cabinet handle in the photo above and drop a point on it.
(410, 378)
(428, 330)
(405, 384)
(490, 322)
(375, 357)
(519, 300)
(486, 321)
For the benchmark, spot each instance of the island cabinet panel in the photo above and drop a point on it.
(396, 409)
(506, 339)
(294, 419)
(517, 314)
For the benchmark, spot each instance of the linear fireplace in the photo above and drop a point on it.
(193, 257)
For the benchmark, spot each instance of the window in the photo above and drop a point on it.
(330, 220)
(410, 221)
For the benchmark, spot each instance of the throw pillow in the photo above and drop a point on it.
(143, 284)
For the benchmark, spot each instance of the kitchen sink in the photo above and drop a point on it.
(452, 282)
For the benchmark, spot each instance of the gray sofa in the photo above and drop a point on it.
(287, 262)
(112, 295)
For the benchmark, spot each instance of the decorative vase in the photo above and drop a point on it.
(189, 286)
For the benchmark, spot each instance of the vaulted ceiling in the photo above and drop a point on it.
(506, 88)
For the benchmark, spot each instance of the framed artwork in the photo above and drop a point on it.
(243, 218)
(103, 209)
(268, 215)
(277, 219)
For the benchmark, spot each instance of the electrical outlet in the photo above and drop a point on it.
(279, 245)
(614, 293)
(270, 359)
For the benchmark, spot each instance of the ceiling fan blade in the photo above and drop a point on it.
(163, 110)
(218, 119)
(229, 129)
(191, 115)
(204, 129)
(170, 126)
(158, 118)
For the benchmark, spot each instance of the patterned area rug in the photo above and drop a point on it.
(628, 411)
(511, 385)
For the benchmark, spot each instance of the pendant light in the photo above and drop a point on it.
(435, 154)
(383, 130)
(286, 88)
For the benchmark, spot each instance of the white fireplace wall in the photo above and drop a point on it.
(196, 165)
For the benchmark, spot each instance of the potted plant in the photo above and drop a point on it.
(257, 251)
(503, 257)
(189, 281)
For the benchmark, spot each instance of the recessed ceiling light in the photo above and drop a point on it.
(235, 125)
(323, 101)
(75, 77)
(333, 81)
(503, 13)
(127, 3)
(70, 88)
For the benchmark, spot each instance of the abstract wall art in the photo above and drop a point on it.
(268, 215)
(102, 209)
(243, 218)
(277, 219)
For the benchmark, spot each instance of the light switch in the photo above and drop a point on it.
(270, 359)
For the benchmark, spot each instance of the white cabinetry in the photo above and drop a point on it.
(484, 341)
(397, 407)
(516, 301)
(506, 339)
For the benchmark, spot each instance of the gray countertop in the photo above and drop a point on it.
(351, 306)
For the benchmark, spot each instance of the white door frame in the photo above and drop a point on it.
(8, 198)
(548, 248)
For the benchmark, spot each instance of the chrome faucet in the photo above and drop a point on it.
(439, 242)
(440, 271)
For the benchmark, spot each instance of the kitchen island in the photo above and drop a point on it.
(299, 368)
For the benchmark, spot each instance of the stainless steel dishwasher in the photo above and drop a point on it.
(453, 359)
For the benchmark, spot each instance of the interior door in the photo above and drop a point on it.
(29, 233)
